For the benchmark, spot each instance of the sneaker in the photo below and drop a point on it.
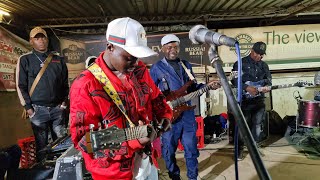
(240, 155)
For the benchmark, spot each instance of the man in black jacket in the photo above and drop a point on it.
(255, 81)
(50, 95)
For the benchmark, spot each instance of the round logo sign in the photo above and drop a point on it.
(245, 42)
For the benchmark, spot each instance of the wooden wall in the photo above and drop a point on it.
(12, 127)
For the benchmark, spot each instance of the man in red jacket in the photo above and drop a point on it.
(141, 99)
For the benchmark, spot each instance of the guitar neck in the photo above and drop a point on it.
(199, 92)
(189, 96)
(278, 86)
(283, 86)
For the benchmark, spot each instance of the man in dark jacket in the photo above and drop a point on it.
(50, 95)
(255, 81)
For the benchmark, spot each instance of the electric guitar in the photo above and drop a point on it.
(177, 99)
(260, 87)
(112, 137)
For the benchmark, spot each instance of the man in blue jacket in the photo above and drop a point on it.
(170, 75)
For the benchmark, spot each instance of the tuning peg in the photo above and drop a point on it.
(91, 126)
(99, 125)
(104, 124)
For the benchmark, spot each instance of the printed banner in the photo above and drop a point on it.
(11, 48)
(288, 47)
(74, 54)
(76, 51)
(194, 53)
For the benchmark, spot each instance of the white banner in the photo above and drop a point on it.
(288, 47)
(11, 48)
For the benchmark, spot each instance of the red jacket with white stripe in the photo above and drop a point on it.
(90, 104)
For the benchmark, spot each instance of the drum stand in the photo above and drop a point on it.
(296, 129)
(308, 129)
(307, 135)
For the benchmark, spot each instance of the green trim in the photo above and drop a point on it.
(293, 61)
(288, 61)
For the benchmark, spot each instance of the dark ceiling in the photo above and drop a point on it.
(92, 16)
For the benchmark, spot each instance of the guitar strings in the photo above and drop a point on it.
(136, 132)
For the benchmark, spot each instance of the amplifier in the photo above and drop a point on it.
(70, 165)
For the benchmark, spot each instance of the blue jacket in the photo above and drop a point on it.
(162, 70)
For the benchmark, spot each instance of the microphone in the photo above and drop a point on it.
(201, 34)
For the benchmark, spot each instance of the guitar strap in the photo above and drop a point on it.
(188, 71)
(108, 87)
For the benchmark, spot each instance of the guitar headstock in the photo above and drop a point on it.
(110, 138)
(233, 75)
(303, 84)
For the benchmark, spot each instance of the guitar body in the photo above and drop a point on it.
(171, 96)
(177, 99)
(179, 109)
(257, 84)
(178, 93)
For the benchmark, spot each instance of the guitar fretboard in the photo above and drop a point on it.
(188, 97)
(199, 92)
(283, 86)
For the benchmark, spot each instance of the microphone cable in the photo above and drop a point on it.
(239, 99)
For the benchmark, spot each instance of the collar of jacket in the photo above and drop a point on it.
(40, 54)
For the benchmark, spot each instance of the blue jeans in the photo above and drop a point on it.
(45, 118)
(254, 115)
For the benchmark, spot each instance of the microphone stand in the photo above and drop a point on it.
(243, 126)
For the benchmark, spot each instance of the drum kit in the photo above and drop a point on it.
(308, 113)
(308, 119)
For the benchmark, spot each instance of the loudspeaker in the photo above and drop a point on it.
(265, 127)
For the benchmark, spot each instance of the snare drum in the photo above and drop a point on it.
(309, 113)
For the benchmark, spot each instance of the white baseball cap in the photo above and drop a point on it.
(130, 35)
(169, 38)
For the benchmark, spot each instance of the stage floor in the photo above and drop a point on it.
(281, 158)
